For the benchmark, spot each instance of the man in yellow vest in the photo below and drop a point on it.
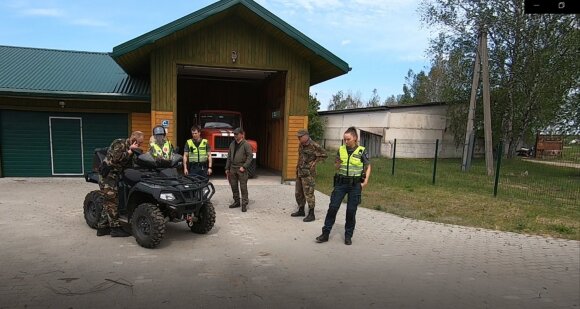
(160, 147)
(197, 155)
(353, 173)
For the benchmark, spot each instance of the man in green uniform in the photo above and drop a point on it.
(240, 157)
(309, 153)
(119, 156)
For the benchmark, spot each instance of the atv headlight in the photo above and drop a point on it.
(167, 196)
(205, 192)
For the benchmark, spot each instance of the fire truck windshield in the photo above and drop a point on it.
(219, 121)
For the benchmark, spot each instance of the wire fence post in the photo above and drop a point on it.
(497, 168)
(435, 161)
(394, 154)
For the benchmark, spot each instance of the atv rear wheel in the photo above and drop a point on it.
(252, 169)
(148, 225)
(205, 221)
(92, 207)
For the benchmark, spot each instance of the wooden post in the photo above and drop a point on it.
(486, 105)
(481, 56)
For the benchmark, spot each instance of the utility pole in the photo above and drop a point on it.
(481, 61)
(469, 135)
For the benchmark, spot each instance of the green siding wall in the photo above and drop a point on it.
(25, 140)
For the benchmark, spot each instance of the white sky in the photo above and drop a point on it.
(379, 39)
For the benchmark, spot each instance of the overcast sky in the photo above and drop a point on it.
(379, 39)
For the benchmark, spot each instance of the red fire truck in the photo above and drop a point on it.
(217, 126)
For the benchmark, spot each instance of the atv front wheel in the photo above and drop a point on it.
(148, 225)
(92, 207)
(205, 221)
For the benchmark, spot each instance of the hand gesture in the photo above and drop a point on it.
(134, 145)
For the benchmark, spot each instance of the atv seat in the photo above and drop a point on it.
(132, 176)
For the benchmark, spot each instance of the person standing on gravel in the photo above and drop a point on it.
(197, 155)
(240, 157)
(353, 173)
(309, 153)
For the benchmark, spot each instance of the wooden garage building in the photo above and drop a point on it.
(57, 106)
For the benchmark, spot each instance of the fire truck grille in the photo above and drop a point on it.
(222, 142)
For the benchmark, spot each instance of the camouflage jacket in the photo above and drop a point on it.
(117, 156)
(308, 156)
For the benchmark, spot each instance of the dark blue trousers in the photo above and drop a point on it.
(354, 199)
(197, 169)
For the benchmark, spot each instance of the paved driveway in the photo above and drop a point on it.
(265, 259)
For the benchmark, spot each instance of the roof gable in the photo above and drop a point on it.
(133, 55)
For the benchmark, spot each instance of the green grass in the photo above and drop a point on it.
(532, 198)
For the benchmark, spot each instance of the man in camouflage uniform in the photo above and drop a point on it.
(309, 153)
(119, 156)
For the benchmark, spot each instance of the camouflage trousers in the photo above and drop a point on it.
(236, 177)
(304, 191)
(109, 214)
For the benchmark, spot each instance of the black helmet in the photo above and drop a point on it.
(159, 130)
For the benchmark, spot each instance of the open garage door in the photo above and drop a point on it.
(257, 94)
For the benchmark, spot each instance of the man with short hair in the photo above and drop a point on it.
(239, 159)
(119, 157)
(309, 153)
(197, 155)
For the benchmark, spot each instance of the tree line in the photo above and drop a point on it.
(533, 65)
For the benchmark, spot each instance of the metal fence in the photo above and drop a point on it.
(550, 179)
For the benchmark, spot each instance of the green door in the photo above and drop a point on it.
(27, 148)
(66, 146)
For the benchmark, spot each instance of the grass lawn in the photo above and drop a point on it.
(532, 198)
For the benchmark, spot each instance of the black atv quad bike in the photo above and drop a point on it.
(152, 194)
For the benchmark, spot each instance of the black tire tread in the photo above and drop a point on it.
(207, 220)
(93, 199)
(157, 228)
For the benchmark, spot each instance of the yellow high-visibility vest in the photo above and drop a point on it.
(197, 154)
(351, 165)
(164, 152)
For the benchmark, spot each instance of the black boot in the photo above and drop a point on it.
(119, 232)
(322, 238)
(299, 213)
(102, 231)
(244, 208)
(235, 205)
(347, 241)
(310, 216)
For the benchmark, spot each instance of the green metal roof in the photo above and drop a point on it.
(333, 66)
(48, 72)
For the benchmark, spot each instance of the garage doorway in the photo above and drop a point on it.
(66, 146)
(258, 94)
